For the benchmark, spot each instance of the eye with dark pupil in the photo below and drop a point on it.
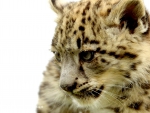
(86, 55)
(57, 56)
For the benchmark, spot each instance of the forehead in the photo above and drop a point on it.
(82, 25)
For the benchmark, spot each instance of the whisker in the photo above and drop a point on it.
(113, 79)
(112, 95)
(114, 85)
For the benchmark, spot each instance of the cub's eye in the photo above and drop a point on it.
(86, 55)
(57, 56)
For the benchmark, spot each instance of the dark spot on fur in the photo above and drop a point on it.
(87, 7)
(89, 18)
(80, 86)
(133, 67)
(73, 20)
(61, 31)
(108, 11)
(67, 23)
(105, 43)
(127, 87)
(121, 47)
(98, 49)
(123, 97)
(75, 32)
(94, 42)
(145, 85)
(86, 40)
(117, 110)
(98, 29)
(83, 35)
(96, 93)
(83, 13)
(84, 83)
(93, 31)
(93, 23)
(103, 60)
(118, 56)
(97, 4)
(81, 28)
(102, 51)
(84, 90)
(79, 43)
(135, 105)
(146, 92)
(130, 55)
(112, 53)
(102, 87)
(83, 20)
(127, 75)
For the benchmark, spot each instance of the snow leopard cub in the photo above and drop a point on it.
(102, 59)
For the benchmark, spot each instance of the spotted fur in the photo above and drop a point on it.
(102, 59)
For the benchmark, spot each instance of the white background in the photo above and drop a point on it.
(26, 30)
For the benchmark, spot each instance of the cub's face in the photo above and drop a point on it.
(100, 48)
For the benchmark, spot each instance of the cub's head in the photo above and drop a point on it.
(103, 47)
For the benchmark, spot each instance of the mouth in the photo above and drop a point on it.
(88, 93)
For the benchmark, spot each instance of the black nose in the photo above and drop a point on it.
(68, 87)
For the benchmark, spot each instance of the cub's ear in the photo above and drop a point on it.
(58, 5)
(130, 13)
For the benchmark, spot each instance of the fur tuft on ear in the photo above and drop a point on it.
(128, 12)
(58, 5)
